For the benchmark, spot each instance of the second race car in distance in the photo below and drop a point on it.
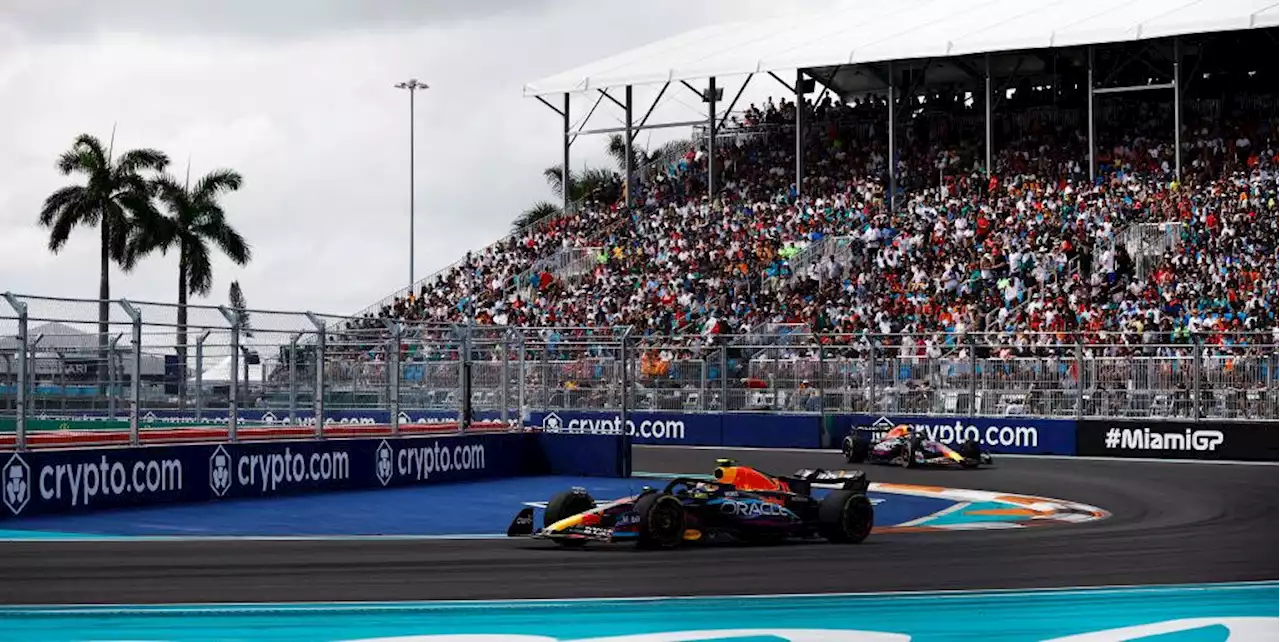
(742, 504)
(906, 447)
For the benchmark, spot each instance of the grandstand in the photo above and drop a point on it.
(1071, 180)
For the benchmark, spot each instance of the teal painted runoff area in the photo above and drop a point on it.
(1198, 613)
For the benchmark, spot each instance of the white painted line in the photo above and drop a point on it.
(997, 456)
(948, 510)
(226, 607)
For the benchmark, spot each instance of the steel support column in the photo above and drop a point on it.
(987, 101)
(1093, 165)
(799, 133)
(893, 165)
(711, 140)
(1177, 110)
(629, 168)
(564, 162)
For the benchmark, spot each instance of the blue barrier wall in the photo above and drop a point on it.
(690, 429)
(1015, 435)
(44, 482)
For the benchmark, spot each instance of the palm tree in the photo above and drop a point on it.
(114, 198)
(195, 222)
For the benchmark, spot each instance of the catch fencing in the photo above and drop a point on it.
(58, 360)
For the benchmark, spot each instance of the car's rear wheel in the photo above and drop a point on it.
(567, 504)
(845, 517)
(971, 452)
(855, 450)
(661, 521)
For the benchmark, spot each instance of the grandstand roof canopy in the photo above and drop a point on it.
(876, 31)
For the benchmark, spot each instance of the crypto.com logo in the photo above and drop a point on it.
(220, 471)
(17, 484)
(552, 422)
(383, 463)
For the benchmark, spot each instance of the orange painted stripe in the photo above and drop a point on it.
(928, 489)
(1002, 511)
(1019, 499)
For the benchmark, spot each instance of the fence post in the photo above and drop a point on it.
(233, 412)
(504, 391)
(821, 378)
(62, 377)
(20, 436)
(293, 378)
(318, 400)
(1079, 377)
(545, 374)
(135, 383)
(724, 379)
(464, 365)
(1197, 373)
(393, 371)
(200, 375)
(703, 393)
(112, 373)
(626, 383)
(521, 379)
(871, 374)
(973, 376)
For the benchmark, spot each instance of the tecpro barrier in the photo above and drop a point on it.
(40, 482)
(689, 429)
(1205, 439)
(1013, 435)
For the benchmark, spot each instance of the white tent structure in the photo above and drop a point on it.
(896, 47)
(874, 31)
(220, 373)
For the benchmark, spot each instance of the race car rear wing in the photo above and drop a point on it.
(855, 480)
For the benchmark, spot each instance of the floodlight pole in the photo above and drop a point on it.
(413, 86)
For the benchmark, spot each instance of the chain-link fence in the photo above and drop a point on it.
(147, 366)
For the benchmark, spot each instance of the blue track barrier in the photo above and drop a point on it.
(61, 481)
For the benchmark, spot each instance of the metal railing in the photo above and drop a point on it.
(56, 360)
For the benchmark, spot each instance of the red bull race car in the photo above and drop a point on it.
(741, 504)
(906, 447)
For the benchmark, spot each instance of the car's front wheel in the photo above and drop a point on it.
(661, 521)
(567, 504)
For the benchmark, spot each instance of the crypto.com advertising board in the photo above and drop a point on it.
(62, 481)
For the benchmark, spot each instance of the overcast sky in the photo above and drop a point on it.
(297, 95)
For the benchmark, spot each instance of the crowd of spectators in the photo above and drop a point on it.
(1036, 251)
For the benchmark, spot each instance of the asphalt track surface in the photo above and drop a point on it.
(1170, 523)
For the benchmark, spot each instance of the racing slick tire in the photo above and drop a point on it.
(845, 517)
(567, 504)
(909, 450)
(855, 450)
(971, 452)
(661, 521)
